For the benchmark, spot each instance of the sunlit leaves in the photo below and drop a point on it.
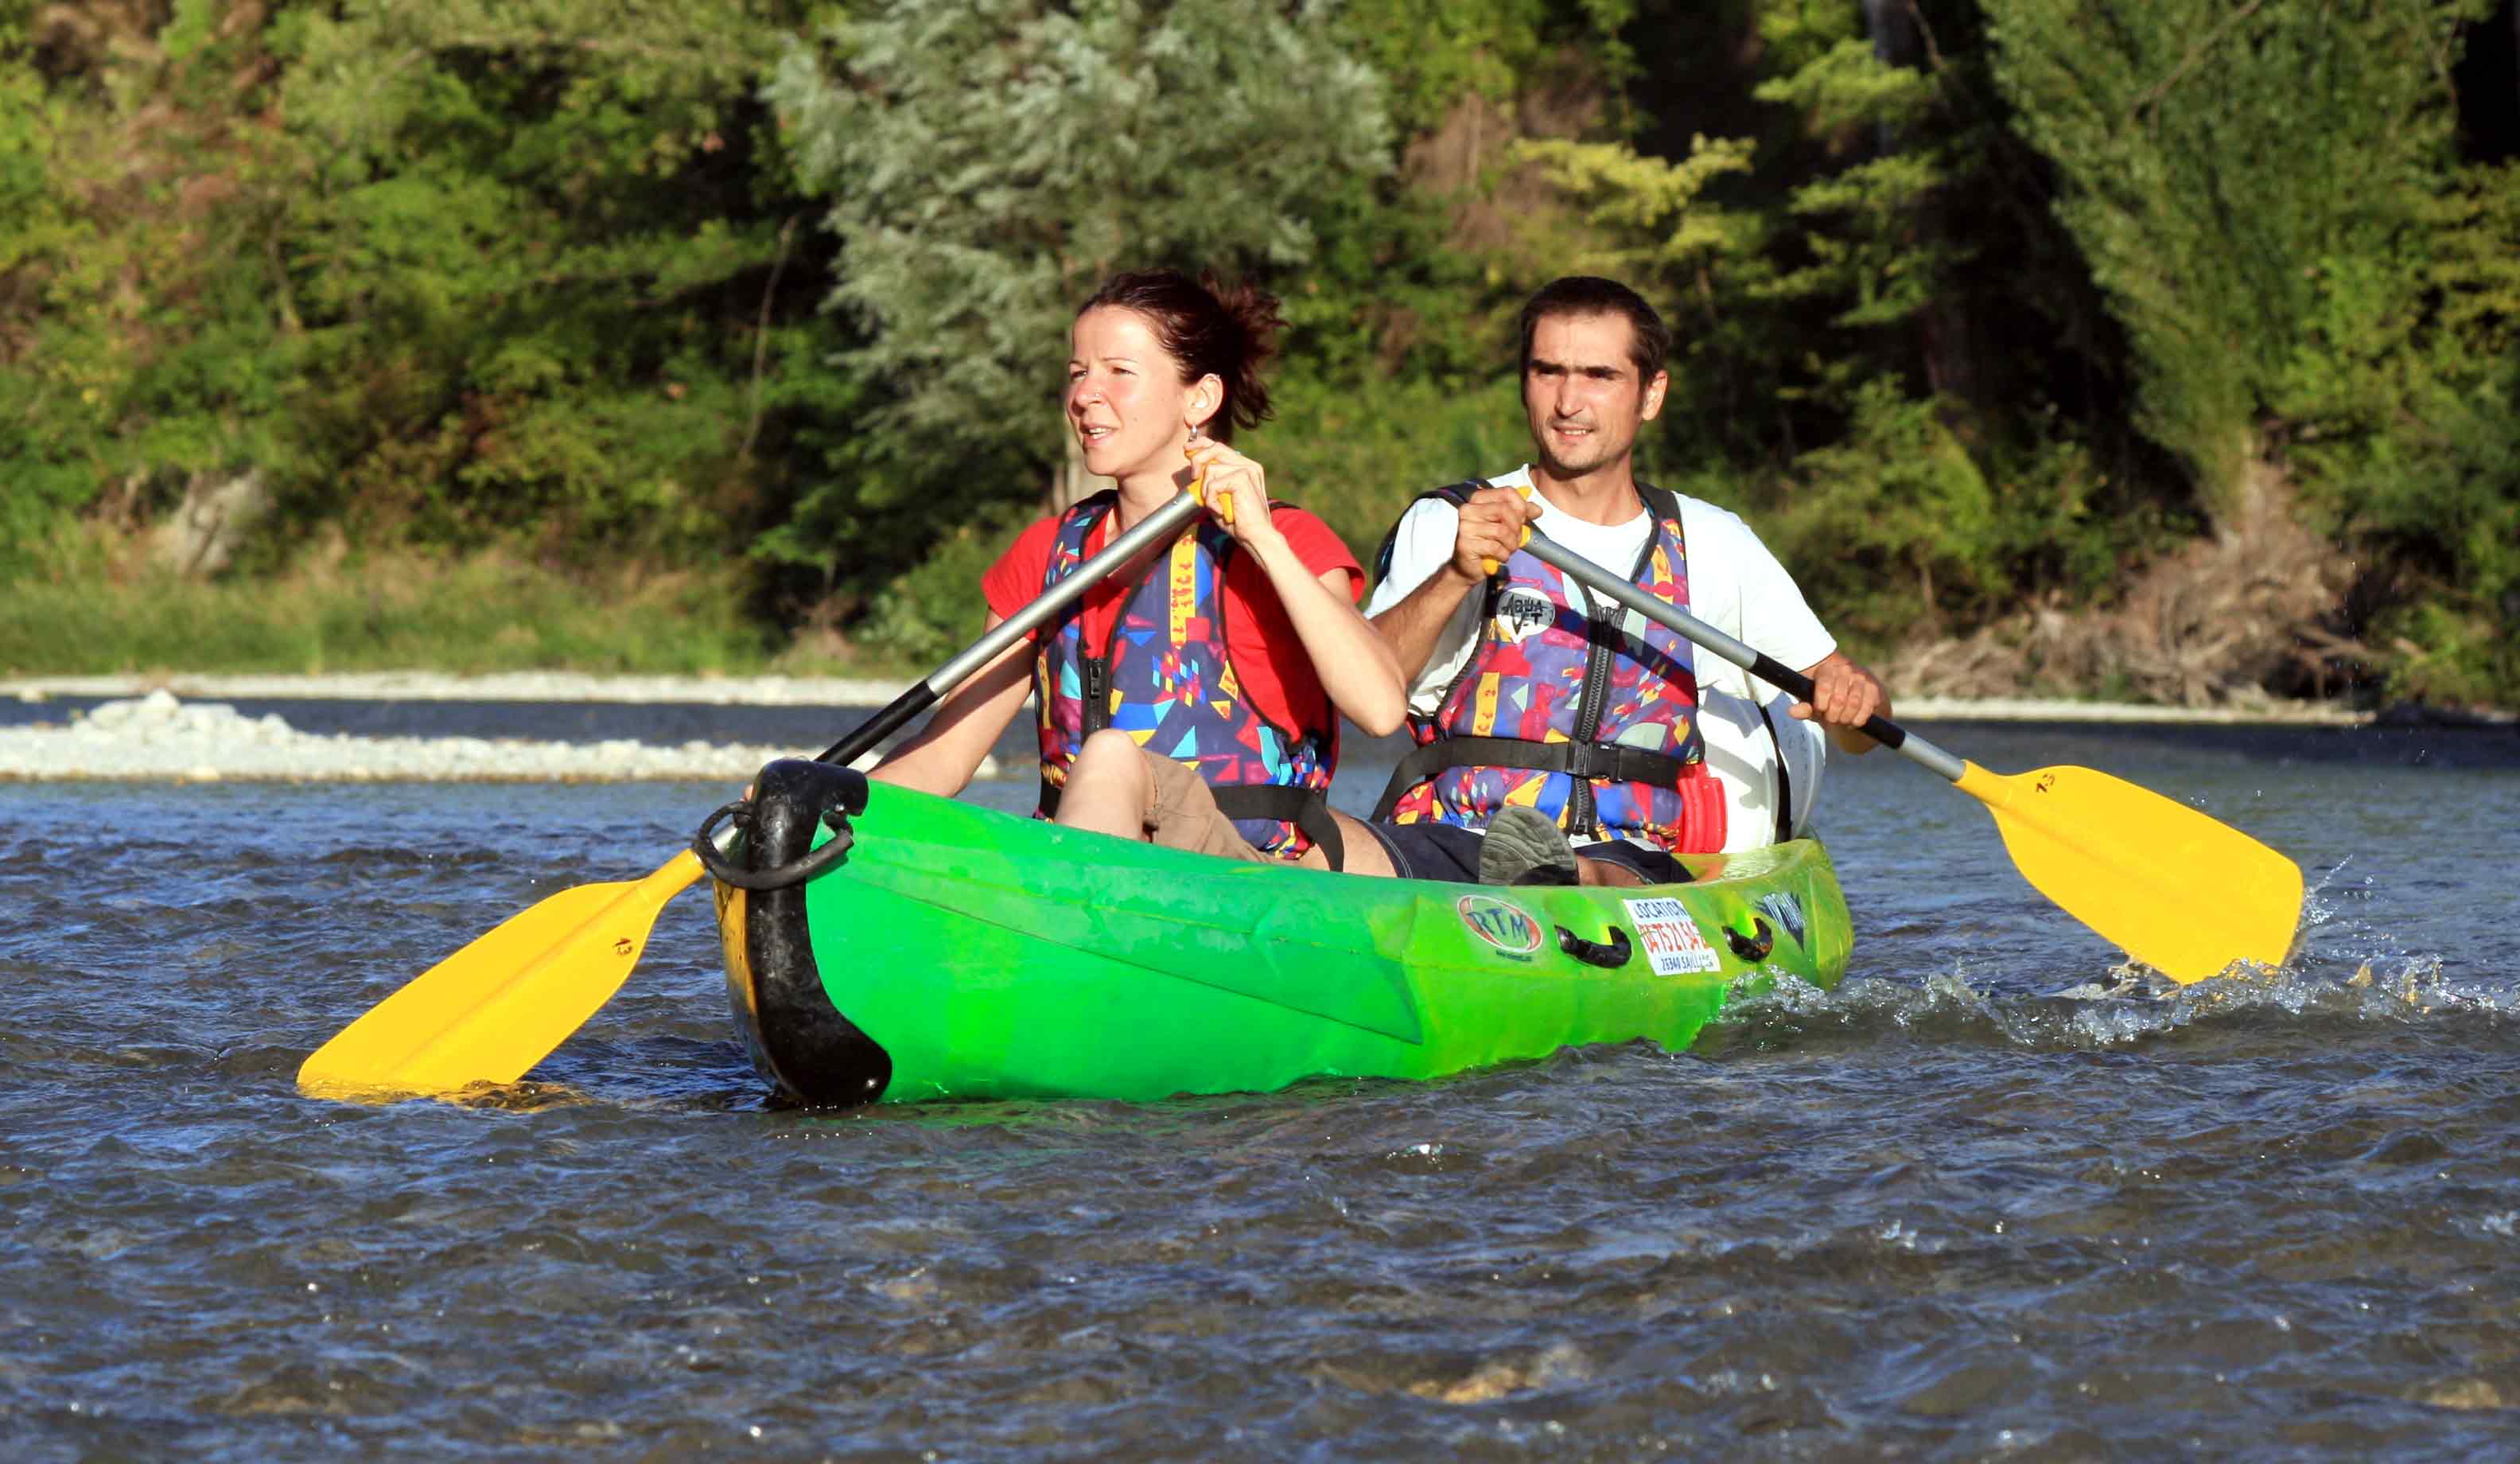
(987, 165)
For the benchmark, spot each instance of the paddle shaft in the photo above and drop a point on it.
(1154, 527)
(1766, 668)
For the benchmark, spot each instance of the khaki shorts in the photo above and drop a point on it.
(1186, 816)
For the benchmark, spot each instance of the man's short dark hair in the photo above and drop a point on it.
(1648, 339)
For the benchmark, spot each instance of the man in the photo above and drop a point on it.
(1540, 715)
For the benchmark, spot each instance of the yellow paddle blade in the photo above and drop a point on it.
(492, 1010)
(2184, 893)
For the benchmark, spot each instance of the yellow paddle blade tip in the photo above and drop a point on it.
(2184, 893)
(492, 1010)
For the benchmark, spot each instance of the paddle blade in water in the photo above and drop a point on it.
(492, 1010)
(2184, 893)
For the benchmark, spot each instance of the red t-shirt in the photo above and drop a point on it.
(1269, 659)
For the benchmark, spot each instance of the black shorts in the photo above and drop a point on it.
(1444, 851)
(1429, 851)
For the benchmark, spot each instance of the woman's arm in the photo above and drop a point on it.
(1355, 665)
(941, 756)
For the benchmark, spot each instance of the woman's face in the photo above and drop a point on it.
(1126, 401)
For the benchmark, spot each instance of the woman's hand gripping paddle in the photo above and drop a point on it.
(2183, 893)
(492, 1010)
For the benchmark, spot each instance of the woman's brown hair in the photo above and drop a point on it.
(1208, 327)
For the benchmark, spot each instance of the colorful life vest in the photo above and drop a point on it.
(1591, 719)
(1165, 677)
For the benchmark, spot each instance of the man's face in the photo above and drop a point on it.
(1583, 396)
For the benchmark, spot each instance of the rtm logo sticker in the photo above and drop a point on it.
(1671, 938)
(1499, 925)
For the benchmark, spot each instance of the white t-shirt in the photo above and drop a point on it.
(1734, 584)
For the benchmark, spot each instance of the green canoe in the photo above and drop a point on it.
(949, 951)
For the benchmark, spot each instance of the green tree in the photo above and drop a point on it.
(1399, 371)
(2218, 162)
(534, 276)
(38, 235)
(986, 165)
(446, 273)
(2316, 293)
(129, 337)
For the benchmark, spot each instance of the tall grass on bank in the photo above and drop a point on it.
(484, 613)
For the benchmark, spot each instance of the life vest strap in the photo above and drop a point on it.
(1612, 762)
(1785, 779)
(1307, 808)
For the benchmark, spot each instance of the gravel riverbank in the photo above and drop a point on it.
(161, 738)
(172, 729)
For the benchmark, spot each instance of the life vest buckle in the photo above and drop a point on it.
(1586, 760)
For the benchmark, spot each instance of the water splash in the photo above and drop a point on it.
(1987, 1004)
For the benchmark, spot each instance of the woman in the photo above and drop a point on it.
(1193, 697)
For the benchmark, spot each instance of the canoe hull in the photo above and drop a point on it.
(964, 953)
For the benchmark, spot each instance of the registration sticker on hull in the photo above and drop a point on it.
(1500, 923)
(1671, 938)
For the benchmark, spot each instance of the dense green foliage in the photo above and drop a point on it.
(445, 274)
(1982, 305)
(2317, 295)
(389, 611)
(977, 196)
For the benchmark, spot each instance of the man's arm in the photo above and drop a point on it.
(1490, 529)
(1844, 697)
(1417, 622)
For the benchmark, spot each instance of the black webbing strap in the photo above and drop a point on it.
(1664, 504)
(1608, 762)
(1785, 779)
(1456, 494)
(1307, 808)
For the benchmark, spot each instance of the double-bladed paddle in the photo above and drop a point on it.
(2183, 893)
(492, 1010)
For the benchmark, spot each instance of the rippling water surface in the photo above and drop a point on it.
(1946, 1211)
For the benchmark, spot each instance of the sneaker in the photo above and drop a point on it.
(1525, 847)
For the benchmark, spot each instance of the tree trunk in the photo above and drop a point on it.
(1893, 44)
(1947, 336)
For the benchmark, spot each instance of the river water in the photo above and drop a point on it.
(1947, 1212)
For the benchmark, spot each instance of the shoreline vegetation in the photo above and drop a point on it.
(863, 692)
(2146, 351)
(490, 628)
